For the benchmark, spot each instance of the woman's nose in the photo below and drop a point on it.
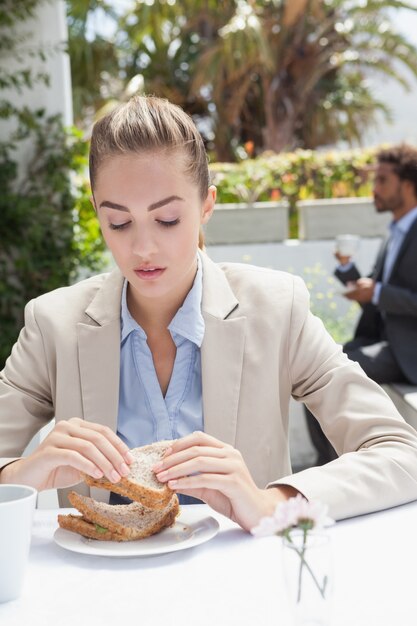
(143, 244)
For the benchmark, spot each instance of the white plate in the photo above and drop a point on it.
(190, 529)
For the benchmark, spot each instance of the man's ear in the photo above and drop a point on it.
(208, 204)
(408, 185)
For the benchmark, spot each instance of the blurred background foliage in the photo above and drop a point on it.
(299, 175)
(338, 315)
(294, 176)
(281, 74)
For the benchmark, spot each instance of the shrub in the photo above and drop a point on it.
(48, 229)
(294, 176)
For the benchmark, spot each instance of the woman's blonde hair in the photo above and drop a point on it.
(150, 124)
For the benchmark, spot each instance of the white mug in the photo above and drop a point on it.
(17, 506)
(347, 245)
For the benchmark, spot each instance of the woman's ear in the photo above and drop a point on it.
(208, 204)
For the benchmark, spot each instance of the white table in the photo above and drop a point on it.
(232, 580)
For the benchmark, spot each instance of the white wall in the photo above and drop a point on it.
(46, 30)
(49, 30)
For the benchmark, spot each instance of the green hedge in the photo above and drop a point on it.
(299, 175)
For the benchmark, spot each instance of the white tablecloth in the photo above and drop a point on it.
(232, 580)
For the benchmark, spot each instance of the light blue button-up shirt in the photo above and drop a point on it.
(398, 229)
(145, 415)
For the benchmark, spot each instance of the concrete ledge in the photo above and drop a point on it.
(405, 399)
(260, 222)
(326, 218)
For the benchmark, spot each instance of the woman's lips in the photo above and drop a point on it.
(149, 273)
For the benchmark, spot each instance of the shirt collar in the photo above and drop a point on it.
(128, 324)
(188, 321)
(404, 223)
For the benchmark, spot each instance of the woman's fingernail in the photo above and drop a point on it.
(124, 470)
(167, 452)
(157, 466)
(98, 473)
(129, 457)
(114, 476)
(172, 483)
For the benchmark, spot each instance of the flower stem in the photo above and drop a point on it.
(303, 562)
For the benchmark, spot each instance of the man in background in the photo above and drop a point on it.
(385, 340)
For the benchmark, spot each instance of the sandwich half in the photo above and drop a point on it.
(141, 483)
(124, 522)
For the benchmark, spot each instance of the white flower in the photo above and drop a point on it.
(316, 512)
(267, 526)
(292, 513)
(297, 513)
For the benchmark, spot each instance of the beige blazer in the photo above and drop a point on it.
(261, 346)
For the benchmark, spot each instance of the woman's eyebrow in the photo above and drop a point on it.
(113, 205)
(157, 205)
(151, 207)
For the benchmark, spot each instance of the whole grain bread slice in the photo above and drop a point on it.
(124, 522)
(141, 483)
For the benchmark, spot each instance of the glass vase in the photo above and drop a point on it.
(308, 574)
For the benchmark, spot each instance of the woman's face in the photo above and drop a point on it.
(150, 213)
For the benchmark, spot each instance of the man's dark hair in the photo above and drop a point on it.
(403, 158)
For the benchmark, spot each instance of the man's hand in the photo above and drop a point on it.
(361, 291)
(342, 259)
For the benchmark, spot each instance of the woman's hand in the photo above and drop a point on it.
(201, 466)
(73, 446)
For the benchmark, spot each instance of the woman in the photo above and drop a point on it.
(173, 346)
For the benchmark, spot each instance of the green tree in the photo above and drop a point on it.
(281, 73)
(290, 59)
(94, 63)
(159, 44)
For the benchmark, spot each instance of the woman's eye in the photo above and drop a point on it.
(171, 223)
(118, 226)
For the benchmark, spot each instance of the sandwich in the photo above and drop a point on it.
(141, 483)
(155, 506)
(119, 522)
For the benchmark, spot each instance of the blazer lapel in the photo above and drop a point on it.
(99, 354)
(221, 354)
(410, 237)
(99, 360)
(379, 264)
